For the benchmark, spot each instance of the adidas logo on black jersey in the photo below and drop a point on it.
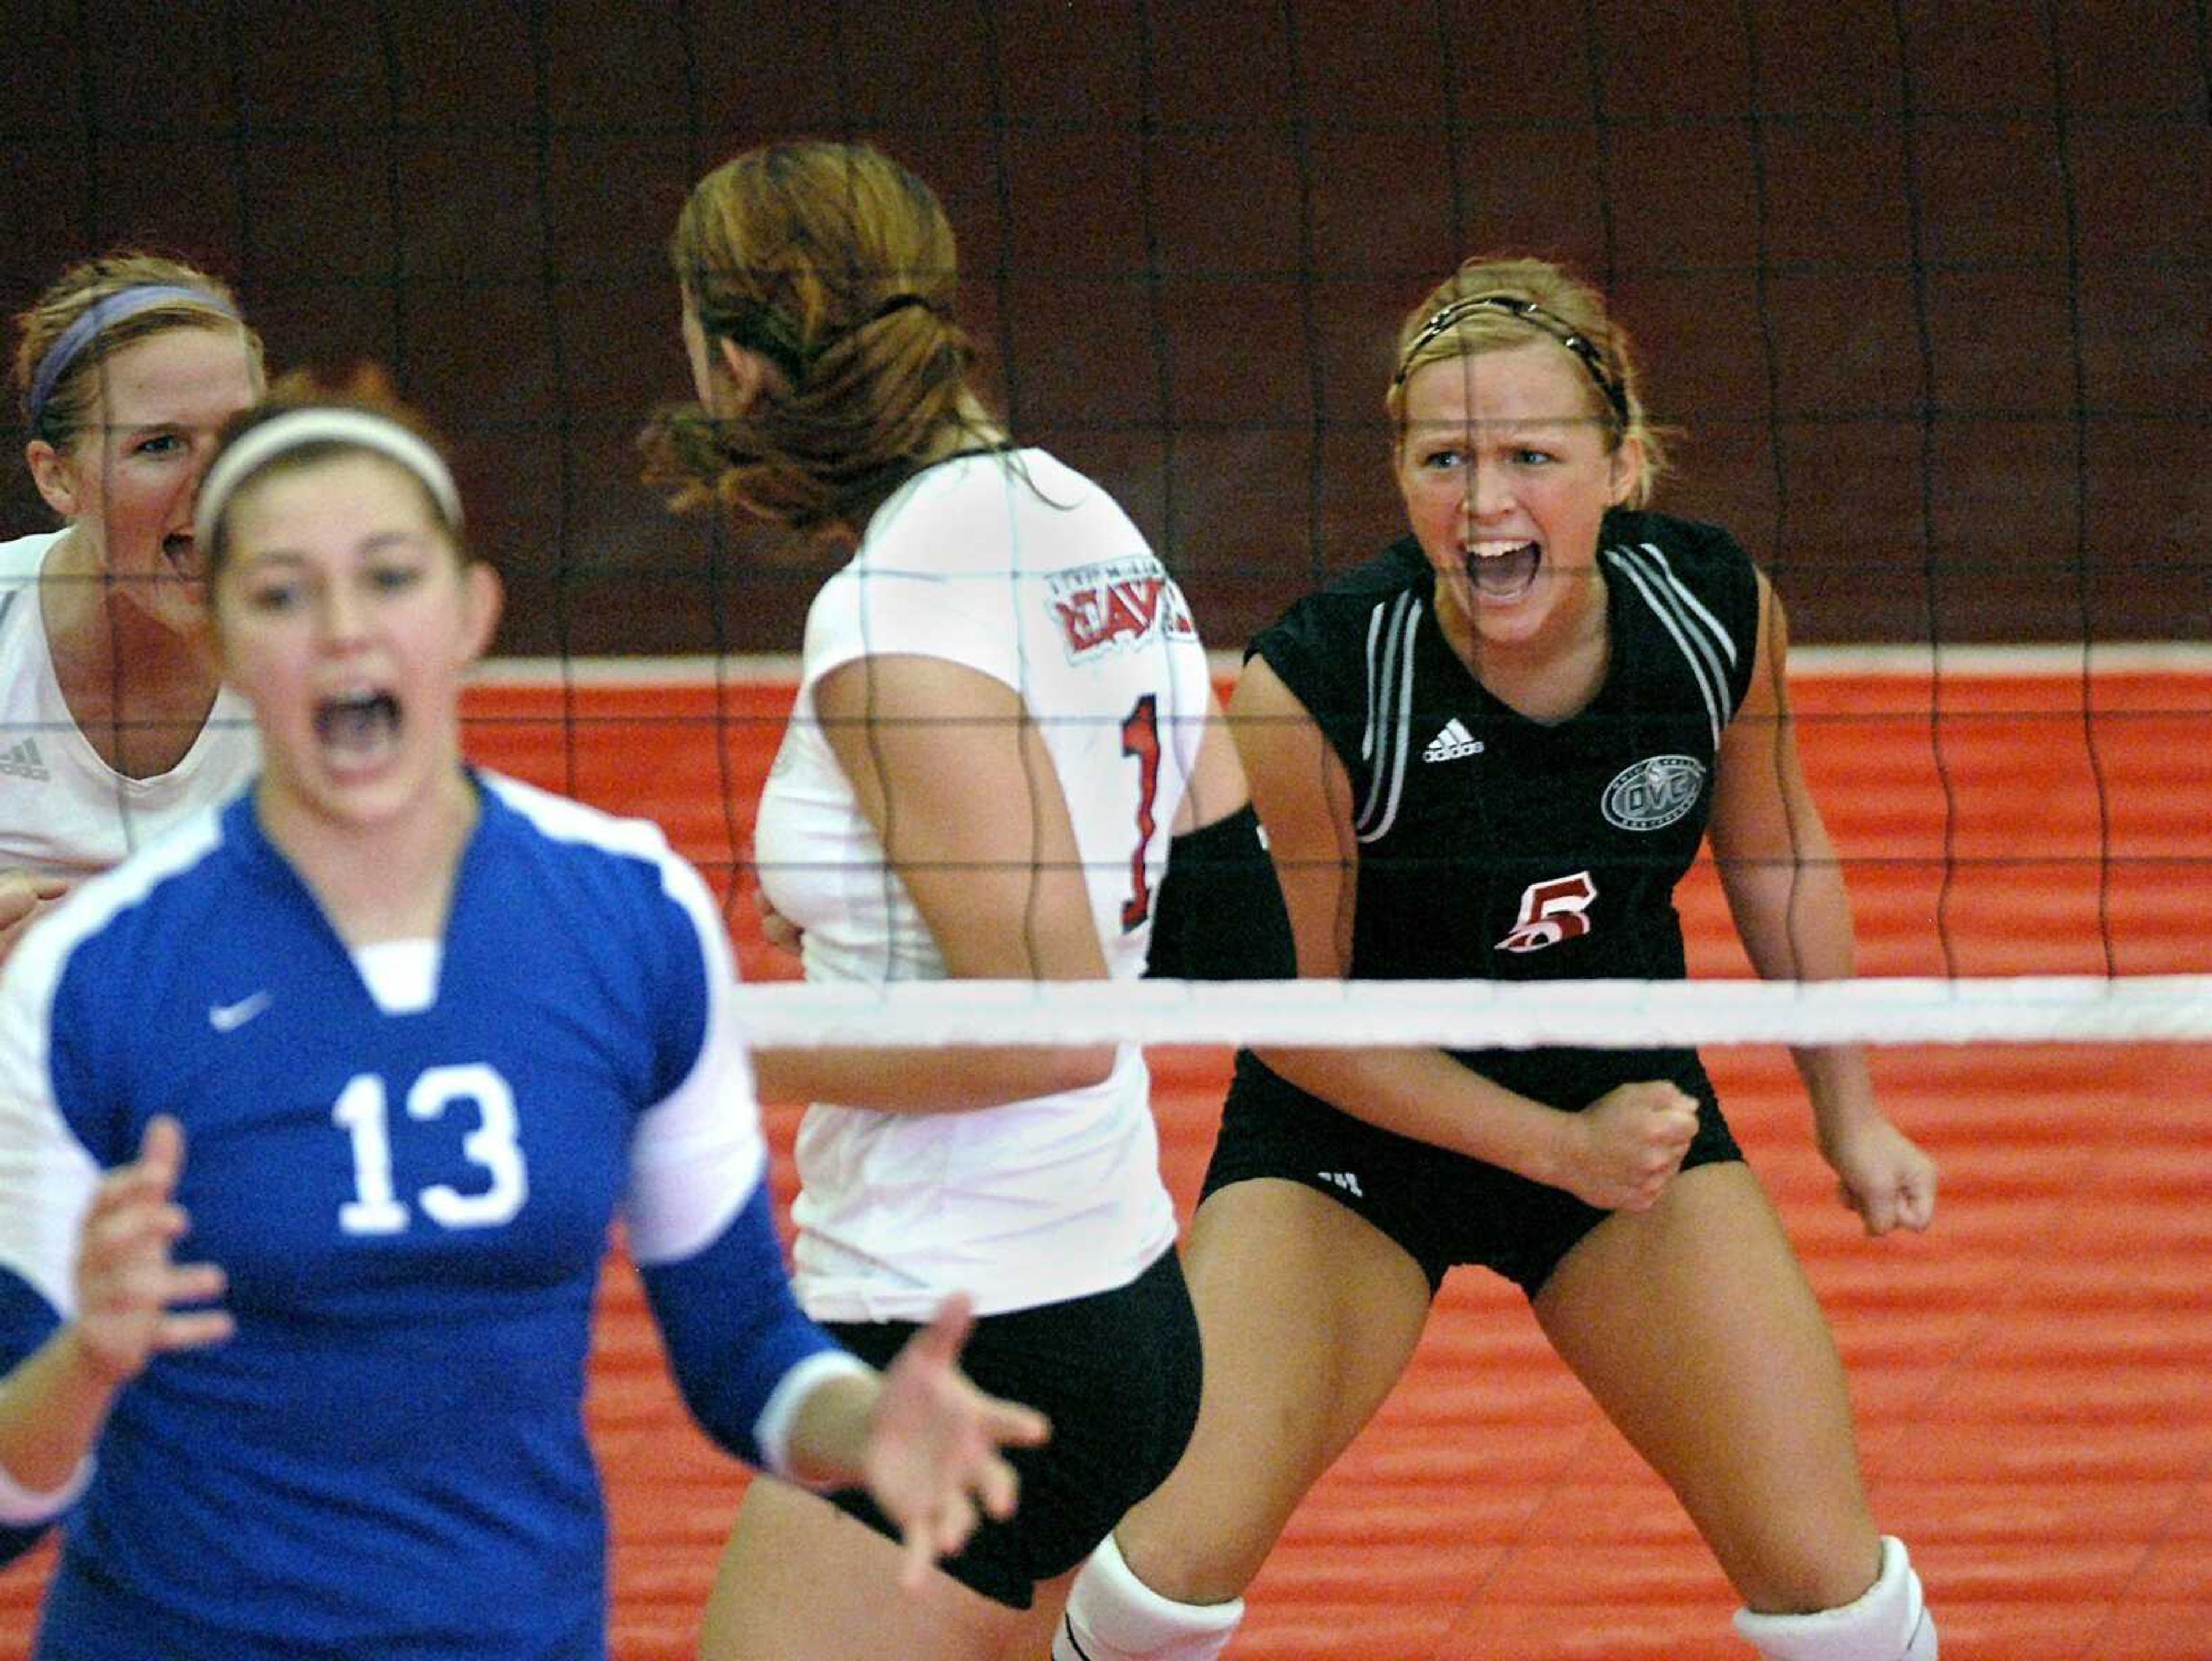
(1453, 742)
(21, 761)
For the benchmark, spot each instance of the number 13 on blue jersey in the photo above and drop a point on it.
(363, 1111)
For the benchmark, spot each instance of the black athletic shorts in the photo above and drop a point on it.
(1443, 1208)
(1118, 1374)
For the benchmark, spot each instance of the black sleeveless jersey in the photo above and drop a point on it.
(1496, 848)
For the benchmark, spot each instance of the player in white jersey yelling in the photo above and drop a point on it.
(112, 723)
(1492, 753)
(1004, 718)
(313, 1119)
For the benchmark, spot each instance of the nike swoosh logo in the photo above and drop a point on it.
(229, 1017)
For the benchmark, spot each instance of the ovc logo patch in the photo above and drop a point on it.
(1654, 792)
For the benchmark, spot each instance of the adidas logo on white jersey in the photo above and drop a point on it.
(1453, 742)
(21, 761)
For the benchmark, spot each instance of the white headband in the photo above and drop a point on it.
(356, 429)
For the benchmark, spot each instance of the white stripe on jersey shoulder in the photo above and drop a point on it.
(697, 1155)
(564, 819)
(1690, 599)
(1660, 595)
(39, 1153)
(1390, 712)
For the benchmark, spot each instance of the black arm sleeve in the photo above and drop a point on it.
(1220, 914)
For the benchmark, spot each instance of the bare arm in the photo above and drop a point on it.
(1217, 777)
(1785, 890)
(53, 1404)
(1618, 1157)
(951, 772)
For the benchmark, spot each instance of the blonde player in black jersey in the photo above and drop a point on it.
(1492, 753)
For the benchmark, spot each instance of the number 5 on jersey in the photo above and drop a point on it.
(363, 1111)
(1551, 911)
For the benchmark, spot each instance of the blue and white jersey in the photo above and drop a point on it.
(407, 1158)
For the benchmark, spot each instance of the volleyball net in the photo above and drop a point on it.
(1937, 357)
(2024, 845)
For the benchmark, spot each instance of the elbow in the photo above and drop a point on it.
(1080, 1069)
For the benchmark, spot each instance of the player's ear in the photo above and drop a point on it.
(55, 475)
(1625, 471)
(744, 372)
(484, 599)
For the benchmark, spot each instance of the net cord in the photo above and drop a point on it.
(1467, 1015)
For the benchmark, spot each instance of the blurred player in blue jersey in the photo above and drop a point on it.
(1491, 752)
(112, 725)
(314, 1121)
(1005, 757)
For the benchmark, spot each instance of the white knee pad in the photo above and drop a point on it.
(1112, 1615)
(1888, 1622)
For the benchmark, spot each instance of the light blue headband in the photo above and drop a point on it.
(104, 314)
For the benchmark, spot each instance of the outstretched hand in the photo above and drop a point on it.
(1884, 1175)
(125, 1283)
(933, 1459)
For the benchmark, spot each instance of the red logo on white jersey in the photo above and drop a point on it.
(1551, 911)
(1126, 602)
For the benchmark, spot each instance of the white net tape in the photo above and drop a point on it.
(1483, 1014)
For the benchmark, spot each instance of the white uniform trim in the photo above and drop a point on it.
(1665, 596)
(1388, 736)
(772, 1430)
(21, 1508)
(697, 1155)
(47, 1177)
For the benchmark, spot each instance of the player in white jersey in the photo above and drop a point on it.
(290, 1042)
(112, 723)
(1004, 717)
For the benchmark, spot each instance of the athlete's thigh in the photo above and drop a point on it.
(1307, 1314)
(799, 1580)
(1695, 1330)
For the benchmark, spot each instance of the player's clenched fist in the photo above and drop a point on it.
(126, 1286)
(1632, 1140)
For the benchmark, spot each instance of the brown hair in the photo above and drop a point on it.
(1494, 302)
(61, 420)
(838, 266)
(364, 388)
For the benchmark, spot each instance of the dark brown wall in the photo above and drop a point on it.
(1925, 283)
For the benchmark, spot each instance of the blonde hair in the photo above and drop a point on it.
(1492, 303)
(363, 389)
(838, 266)
(60, 418)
